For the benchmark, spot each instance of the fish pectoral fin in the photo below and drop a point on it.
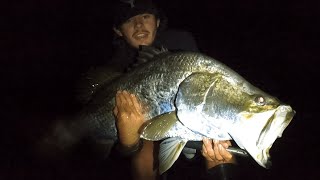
(158, 128)
(170, 150)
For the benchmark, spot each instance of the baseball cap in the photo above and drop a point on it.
(125, 9)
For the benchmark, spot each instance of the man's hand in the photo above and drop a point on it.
(129, 118)
(215, 152)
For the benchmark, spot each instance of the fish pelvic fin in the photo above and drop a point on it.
(170, 150)
(159, 127)
(164, 127)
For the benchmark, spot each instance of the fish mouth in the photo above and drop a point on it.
(273, 129)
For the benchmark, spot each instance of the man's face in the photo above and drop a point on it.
(139, 30)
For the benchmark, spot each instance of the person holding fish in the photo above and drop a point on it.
(139, 23)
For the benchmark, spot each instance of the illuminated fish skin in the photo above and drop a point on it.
(223, 105)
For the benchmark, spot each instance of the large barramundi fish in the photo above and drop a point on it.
(188, 96)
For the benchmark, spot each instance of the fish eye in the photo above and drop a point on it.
(260, 100)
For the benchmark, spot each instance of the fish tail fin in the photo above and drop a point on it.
(170, 150)
(70, 136)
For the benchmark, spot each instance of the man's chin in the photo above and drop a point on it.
(141, 44)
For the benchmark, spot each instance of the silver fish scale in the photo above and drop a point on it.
(155, 83)
(228, 108)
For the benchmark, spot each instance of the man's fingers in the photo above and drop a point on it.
(121, 100)
(217, 151)
(130, 103)
(209, 149)
(225, 144)
(120, 108)
(224, 153)
(118, 98)
(204, 151)
(136, 104)
(117, 103)
(115, 111)
(127, 98)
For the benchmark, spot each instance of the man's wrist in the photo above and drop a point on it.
(129, 150)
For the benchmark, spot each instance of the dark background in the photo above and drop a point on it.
(47, 44)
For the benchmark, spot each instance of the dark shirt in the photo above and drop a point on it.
(173, 40)
(183, 168)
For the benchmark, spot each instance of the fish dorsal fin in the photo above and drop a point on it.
(147, 53)
(170, 150)
(92, 80)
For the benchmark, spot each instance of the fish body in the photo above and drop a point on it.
(187, 96)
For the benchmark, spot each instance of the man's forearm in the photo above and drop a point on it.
(142, 163)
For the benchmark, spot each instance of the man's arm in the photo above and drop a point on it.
(142, 163)
(129, 118)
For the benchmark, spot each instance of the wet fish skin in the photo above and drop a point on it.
(206, 98)
(155, 84)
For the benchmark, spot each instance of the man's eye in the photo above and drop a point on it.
(128, 21)
(146, 16)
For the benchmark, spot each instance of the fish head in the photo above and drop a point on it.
(261, 119)
(226, 106)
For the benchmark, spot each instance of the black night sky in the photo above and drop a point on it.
(47, 44)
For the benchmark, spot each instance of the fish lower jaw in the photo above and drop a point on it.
(264, 158)
(259, 154)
